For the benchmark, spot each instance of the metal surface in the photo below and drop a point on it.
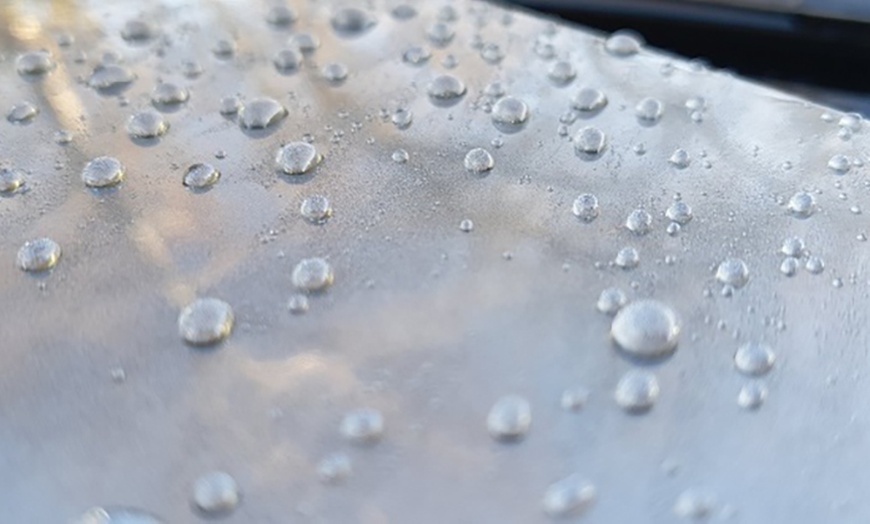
(102, 403)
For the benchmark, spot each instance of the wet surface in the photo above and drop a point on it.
(386, 336)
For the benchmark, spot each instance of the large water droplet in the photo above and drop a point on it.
(201, 176)
(479, 160)
(205, 321)
(754, 358)
(509, 418)
(646, 328)
(147, 124)
(316, 209)
(589, 99)
(789, 266)
(297, 158)
(589, 142)
(611, 300)
(363, 426)
(261, 113)
(623, 43)
(510, 111)
(37, 255)
(22, 113)
(569, 497)
(733, 272)
(312, 274)
(103, 171)
(851, 121)
(34, 63)
(351, 21)
(10, 180)
(107, 77)
(637, 391)
(216, 493)
(117, 515)
(802, 205)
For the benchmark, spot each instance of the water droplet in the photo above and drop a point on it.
(281, 16)
(297, 304)
(585, 207)
(491, 53)
(147, 124)
(305, 42)
(589, 142)
(815, 265)
(316, 209)
(754, 358)
(840, 163)
(509, 418)
(416, 55)
(637, 391)
(404, 12)
(694, 504)
(201, 176)
(680, 159)
(793, 246)
(312, 274)
(103, 171)
(400, 156)
(572, 496)
(627, 258)
(561, 73)
(446, 89)
(851, 121)
(447, 13)
(216, 493)
(117, 515)
(574, 399)
(205, 321)
(679, 212)
(137, 31)
(169, 94)
(62, 137)
(494, 90)
(802, 205)
(639, 222)
(611, 300)
(544, 50)
(752, 395)
(510, 111)
(297, 158)
(646, 328)
(440, 34)
(334, 72)
(37, 255)
(22, 113)
(351, 22)
(363, 426)
(789, 266)
(34, 63)
(10, 180)
(466, 226)
(649, 110)
(623, 43)
(224, 48)
(107, 77)
(261, 113)
(733, 272)
(402, 118)
(287, 60)
(479, 160)
(335, 468)
(589, 100)
(230, 105)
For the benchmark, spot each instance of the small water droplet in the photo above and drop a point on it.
(589, 142)
(789, 266)
(585, 207)
(627, 258)
(287, 60)
(38, 255)
(205, 321)
(446, 90)
(34, 63)
(510, 111)
(840, 163)
(510, 418)
(754, 358)
(261, 113)
(224, 48)
(305, 42)
(335, 72)
(216, 493)
(478, 161)
(752, 395)
(611, 300)
(169, 94)
(11, 180)
(147, 124)
(466, 226)
(649, 110)
(103, 171)
(297, 158)
(201, 176)
(312, 274)
(22, 113)
(570, 497)
(637, 391)
(561, 73)
(793, 246)
(646, 328)
(404, 12)
(351, 21)
(680, 159)
(639, 222)
(363, 426)
(815, 265)
(491, 53)
(802, 205)
(589, 99)
(335, 468)
(623, 43)
(733, 272)
(400, 156)
(62, 137)
(316, 209)
(694, 504)
(575, 398)
(297, 304)
(679, 212)
(137, 31)
(281, 16)
(230, 105)
(416, 55)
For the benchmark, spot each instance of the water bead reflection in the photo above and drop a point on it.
(589, 141)
(446, 87)
(679, 212)
(840, 164)
(402, 118)
(680, 159)
(585, 207)
(649, 110)
(509, 418)
(802, 205)
(639, 222)
(627, 258)
(589, 100)
(611, 300)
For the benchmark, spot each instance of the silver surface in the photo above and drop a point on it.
(426, 323)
